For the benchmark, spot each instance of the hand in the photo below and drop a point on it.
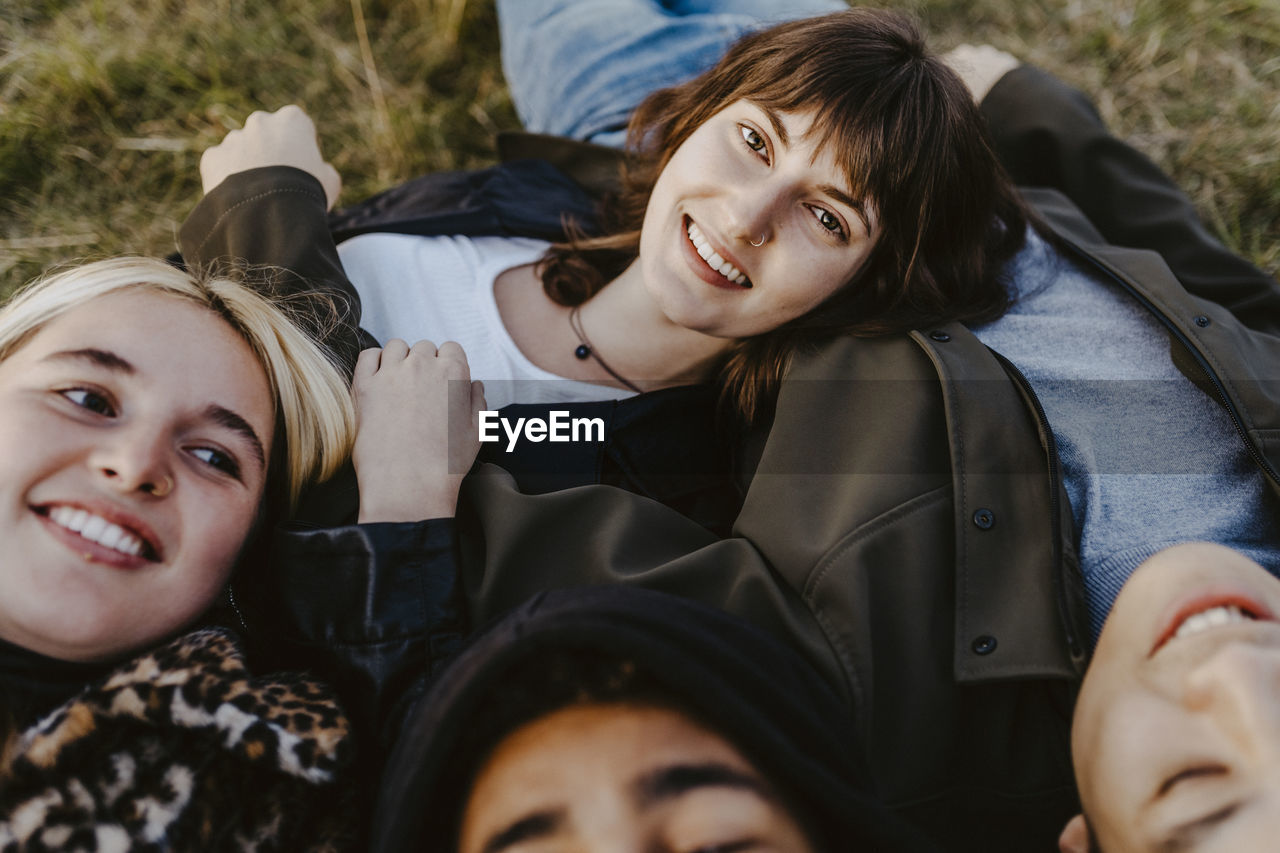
(286, 137)
(980, 67)
(417, 429)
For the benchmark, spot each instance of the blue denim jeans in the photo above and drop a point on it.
(579, 67)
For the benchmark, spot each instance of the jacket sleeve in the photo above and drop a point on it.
(1048, 134)
(373, 609)
(272, 222)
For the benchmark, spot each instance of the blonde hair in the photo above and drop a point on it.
(315, 419)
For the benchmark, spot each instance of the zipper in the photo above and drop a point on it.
(1055, 506)
(1223, 398)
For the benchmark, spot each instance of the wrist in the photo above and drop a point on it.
(391, 514)
(380, 505)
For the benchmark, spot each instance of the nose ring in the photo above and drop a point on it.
(757, 245)
(164, 487)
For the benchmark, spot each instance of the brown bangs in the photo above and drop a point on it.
(912, 146)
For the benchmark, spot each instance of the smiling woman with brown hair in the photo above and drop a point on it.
(791, 193)
(901, 143)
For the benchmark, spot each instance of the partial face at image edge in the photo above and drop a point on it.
(621, 776)
(1176, 734)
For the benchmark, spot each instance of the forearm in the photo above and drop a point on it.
(273, 221)
(372, 608)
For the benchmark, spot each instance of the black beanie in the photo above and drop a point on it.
(750, 688)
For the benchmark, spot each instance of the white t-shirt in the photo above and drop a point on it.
(441, 289)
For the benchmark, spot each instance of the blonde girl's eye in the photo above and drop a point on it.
(753, 139)
(90, 400)
(215, 458)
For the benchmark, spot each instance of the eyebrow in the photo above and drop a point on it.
(651, 789)
(99, 357)
(224, 417)
(220, 415)
(527, 828)
(668, 783)
(776, 120)
(848, 201)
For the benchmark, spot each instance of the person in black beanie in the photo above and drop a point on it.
(689, 726)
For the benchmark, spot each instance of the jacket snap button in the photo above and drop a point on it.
(939, 335)
(1202, 321)
(984, 645)
(984, 519)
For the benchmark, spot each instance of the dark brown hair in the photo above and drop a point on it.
(569, 677)
(912, 145)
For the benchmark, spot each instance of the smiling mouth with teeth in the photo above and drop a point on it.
(713, 259)
(97, 529)
(1206, 618)
(1224, 614)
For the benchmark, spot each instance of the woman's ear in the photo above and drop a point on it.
(1075, 836)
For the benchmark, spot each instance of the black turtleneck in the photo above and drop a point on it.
(32, 684)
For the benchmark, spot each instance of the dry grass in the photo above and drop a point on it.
(1193, 83)
(105, 105)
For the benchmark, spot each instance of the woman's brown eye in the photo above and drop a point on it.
(754, 140)
(829, 222)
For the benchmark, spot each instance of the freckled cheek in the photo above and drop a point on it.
(795, 304)
(805, 289)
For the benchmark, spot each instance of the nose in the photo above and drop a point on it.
(1239, 688)
(753, 210)
(135, 460)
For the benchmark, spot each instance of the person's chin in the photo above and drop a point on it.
(694, 318)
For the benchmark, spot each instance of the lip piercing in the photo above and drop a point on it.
(162, 488)
(757, 245)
